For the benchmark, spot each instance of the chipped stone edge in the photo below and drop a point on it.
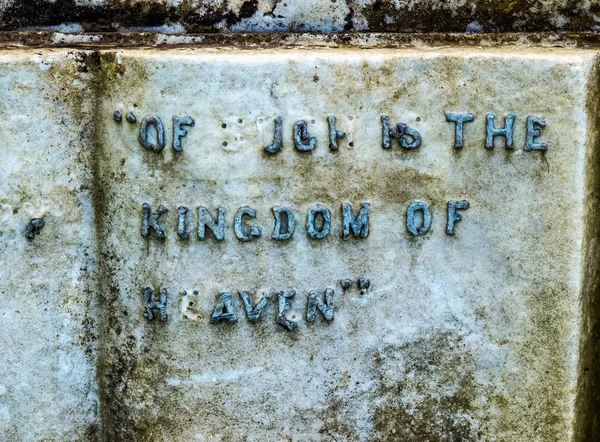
(40, 39)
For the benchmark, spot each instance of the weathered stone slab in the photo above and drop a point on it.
(47, 325)
(464, 312)
(471, 336)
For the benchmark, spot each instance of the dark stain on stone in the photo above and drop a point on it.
(499, 16)
(426, 391)
(381, 16)
(248, 9)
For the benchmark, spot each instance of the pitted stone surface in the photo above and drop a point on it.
(176, 16)
(476, 336)
(47, 300)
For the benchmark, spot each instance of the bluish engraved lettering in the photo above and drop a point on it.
(181, 222)
(205, 220)
(150, 220)
(403, 130)
(459, 118)
(311, 229)
(254, 312)
(117, 116)
(410, 218)
(285, 305)
(277, 138)
(179, 132)
(238, 228)
(33, 227)
(224, 310)
(130, 117)
(145, 137)
(285, 223)
(151, 304)
(453, 215)
(359, 225)
(346, 283)
(363, 283)
(334, 134)
(506, 131)
(533, 132)
(316, 302)
(302, 139)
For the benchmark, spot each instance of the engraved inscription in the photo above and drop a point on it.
(355, 224)
(152, 132)
(226, 308)
(353, 221)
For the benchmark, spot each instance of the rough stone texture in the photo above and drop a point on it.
(484, 336)
(303, 15)
(47, 302)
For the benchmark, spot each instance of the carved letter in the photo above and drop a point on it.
(288, 223)
(346, 283)
(179, 132)
(144, 136)
(255, 231)
(252, 312)
(205, 219)
(302, 139)
(150, 304)
(403, 130)
(277, 139)
(150, 220)
(285, 305)
(310, 222)
(359, 224)
(459, 118)
(224, 310)
(34, 226)
(533, 132)
(363, 283)
(506, 131)
(453, 216)
(334, 134)
(410, 218)
(181, 224)
(316, 302)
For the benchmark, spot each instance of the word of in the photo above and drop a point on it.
(155, 140)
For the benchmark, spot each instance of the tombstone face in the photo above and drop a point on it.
(413, 289)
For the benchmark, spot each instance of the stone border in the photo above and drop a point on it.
(103, 40)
